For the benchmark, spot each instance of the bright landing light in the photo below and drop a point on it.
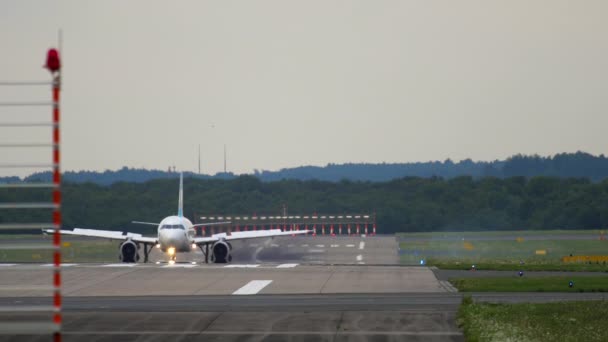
(193, 246)
(171, 251)
(158, 245)
(171, 262)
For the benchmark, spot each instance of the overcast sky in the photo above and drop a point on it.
(289, 83)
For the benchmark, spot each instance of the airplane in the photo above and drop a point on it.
(176, 234)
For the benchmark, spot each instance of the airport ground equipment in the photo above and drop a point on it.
(351, 224)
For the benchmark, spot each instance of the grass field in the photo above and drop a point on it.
(529, 284)
(568, 321)
(529, 250)
(79, 250)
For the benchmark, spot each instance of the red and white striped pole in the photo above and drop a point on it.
(358, 229)
(331, 230)
(374, 231)
(53, 63)
(323, 229)
(366, 231)
(349, 229)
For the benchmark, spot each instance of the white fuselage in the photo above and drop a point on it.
(176, 232)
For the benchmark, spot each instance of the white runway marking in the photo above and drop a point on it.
(320, 246)
(274, 245)
(287, 265)
(7, 265)
(252, 287)
(335, 245)
(290, 245)
(242, 266)
(359, 257)
(316, 251)
(119, 265)
(350, 245)
(361, 245)
(180, 265)
(62, 265)
(305, 245)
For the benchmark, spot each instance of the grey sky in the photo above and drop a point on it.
(286, 83)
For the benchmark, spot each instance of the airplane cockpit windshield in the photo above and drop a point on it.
(172, 226)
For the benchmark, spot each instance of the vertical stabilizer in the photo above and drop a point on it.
(180, 204)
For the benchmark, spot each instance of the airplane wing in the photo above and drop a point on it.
(254, 234)
(263, 233)
(106, 234)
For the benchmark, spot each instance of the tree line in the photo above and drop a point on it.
(564, 165)
(401, 205)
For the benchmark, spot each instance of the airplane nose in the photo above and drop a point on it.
(171, 238)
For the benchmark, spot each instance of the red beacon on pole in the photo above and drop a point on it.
(53, 63)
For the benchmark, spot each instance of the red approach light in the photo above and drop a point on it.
(53, 62)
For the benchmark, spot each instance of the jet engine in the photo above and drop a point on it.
(221, 252)
(129, 251)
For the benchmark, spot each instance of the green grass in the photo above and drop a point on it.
(505, 255)
(568, 321)
(523, 233)
(532, 284)
(531, 264)
(73, 251)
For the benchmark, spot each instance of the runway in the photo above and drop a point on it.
(351, 291)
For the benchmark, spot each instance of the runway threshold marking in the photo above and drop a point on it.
(287, 265)
(335, 246)
(320, 246)
(350, 245)
(361, 244)
(252, 287)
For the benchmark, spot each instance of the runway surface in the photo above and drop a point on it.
(317, 289)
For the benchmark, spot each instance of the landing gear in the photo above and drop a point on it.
(205, 250)
(147, 251)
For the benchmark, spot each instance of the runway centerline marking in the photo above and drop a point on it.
(7, 265)
(320, 246)
(361, 244)
(359, 257)
(119, 265)
(350, 245)
(179, 266)
(252, 287)
(274, 245)
(242, 266)
(335, 246)
(305, 245)
(287, 265)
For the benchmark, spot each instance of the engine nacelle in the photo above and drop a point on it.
(129, 251)
(221, 252)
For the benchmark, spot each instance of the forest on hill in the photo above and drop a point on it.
(564, 165)
(401, 205)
